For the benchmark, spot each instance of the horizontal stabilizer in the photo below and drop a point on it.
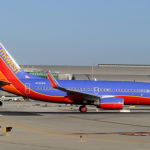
(3, 83)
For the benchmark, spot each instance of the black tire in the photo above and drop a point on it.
(83, 109)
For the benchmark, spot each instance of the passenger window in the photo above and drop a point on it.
(92, 89)
(42, 88)
(88, 89)
(141, 90)
(135, 90)
(39, 88)
(85, 89)
(107, 89)
(102, 89)
(126, 90)
(138, 90)
(144, 90)
(120, 90)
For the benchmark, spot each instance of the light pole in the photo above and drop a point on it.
(93, 64)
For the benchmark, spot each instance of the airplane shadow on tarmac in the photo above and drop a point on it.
(18, 113)
(24, 113)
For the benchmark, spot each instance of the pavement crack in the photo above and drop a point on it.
(127, 124)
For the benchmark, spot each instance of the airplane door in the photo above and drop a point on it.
(96, 90)
(27, 88)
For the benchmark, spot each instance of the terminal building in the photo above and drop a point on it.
(109, 72)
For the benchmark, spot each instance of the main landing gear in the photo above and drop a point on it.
(82, 109)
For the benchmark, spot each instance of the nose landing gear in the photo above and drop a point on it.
(83, 109)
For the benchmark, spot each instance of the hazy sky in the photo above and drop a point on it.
(76, 32)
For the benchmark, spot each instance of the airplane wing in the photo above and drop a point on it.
(3, 83)
(74, 94)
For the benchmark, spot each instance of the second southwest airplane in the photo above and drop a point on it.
(103, 94)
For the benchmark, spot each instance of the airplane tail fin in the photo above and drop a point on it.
(9, 69)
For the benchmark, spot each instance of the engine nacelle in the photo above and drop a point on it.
(110, 103)
(1, 103)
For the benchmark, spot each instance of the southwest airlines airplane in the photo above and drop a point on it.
(103, 94)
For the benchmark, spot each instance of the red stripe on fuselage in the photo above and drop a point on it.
(134, 100)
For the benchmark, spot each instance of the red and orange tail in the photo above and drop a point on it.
(11, 75)
(9, 69)
(10, 72)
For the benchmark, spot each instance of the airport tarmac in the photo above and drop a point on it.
(38, 125)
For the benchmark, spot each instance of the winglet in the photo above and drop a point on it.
(53, 81)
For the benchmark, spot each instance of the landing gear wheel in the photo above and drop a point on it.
(82, 109)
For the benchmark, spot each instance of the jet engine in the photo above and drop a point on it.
(110, 103)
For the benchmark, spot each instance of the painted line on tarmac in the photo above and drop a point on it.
(29, 127)
(72, 135)
(18, 139)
